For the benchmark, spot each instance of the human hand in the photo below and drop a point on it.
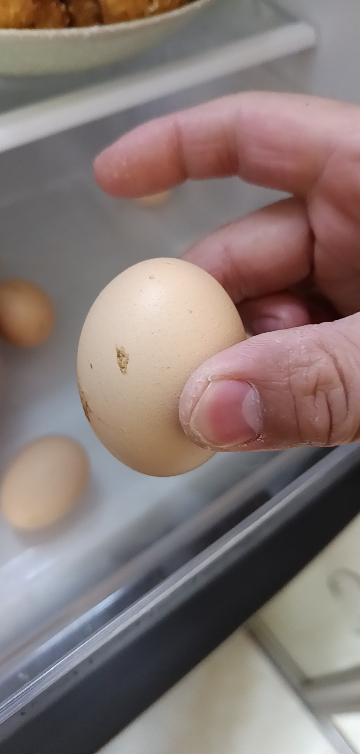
(286, 266)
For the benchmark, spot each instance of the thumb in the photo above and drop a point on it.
(278, 390)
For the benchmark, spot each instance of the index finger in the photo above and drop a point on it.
(280, 141)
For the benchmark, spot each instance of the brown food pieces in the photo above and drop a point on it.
(50, 14)
(33, 14)
(17, 14)
(58, 14)
(84, 12)
(115, 11)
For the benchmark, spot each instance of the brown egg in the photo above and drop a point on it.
(26, 313)
(154, 200)
(44, 482)
(147, 331)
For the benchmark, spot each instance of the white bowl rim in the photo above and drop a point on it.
(96, 30)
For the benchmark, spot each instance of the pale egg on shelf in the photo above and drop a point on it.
(26, 313)
(44, 482)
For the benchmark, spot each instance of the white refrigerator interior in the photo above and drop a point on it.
(58, 230)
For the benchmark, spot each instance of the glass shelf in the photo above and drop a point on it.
(229, 36)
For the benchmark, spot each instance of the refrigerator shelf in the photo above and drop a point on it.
(141, 652)
(231, 36)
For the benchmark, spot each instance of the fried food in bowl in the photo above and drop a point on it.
(59, 14)
(40, 37)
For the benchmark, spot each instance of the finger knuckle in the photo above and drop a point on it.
(324, 391)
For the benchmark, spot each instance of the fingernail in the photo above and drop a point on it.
(227, 414)
(267, 324)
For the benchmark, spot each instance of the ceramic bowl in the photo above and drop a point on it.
(44, 51)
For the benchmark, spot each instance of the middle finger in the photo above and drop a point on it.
(266, 252)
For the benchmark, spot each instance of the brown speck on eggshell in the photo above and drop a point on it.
(122, 359)
(85, 405)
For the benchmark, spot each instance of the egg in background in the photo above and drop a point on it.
(43, 483)
(26, 313)
(154, 201)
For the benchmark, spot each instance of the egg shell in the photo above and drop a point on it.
(44, 482)
(26, 313)
(147, 331)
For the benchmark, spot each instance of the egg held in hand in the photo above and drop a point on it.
(147, 331)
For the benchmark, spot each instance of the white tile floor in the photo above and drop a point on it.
(233, 703)
(319, 626)
(349, 726)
